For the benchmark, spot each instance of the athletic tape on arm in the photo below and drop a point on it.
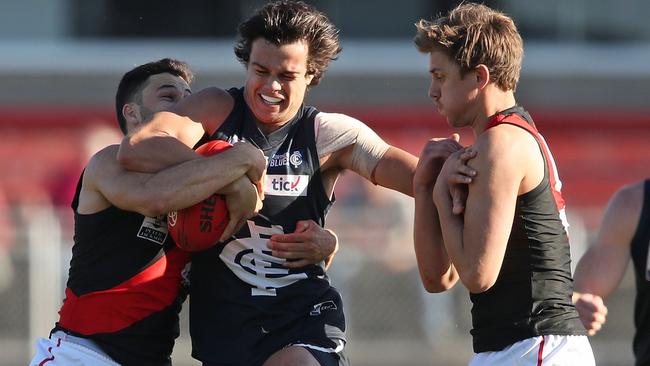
(336, 131)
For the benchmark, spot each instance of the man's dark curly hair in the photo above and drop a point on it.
(134, 81)
(285, 22)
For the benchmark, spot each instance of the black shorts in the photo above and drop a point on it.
(329, 358)
(321, 332)
(327, 351)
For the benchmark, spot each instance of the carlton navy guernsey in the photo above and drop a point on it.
(532, 293)
(639, 252)
(244, 304)
(124, 289)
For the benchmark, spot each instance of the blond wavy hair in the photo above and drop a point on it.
(473, 34)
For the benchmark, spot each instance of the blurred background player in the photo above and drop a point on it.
(6, 242)
(624, 233)
(510, 248)
(288, 316)
(125, 287)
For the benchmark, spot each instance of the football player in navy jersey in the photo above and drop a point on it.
(247, 305)
(125, 286)
(508, 245)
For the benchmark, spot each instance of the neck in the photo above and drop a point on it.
(268, 128)
(494, 101)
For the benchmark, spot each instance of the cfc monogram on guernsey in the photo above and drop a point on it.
(250, 260)
(532, 294)
(243, 300)
(124, 288)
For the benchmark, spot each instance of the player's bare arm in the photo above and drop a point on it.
(106, 183)
(510, 164)
(436, 270)
(611, 250)
(345, 143)
(243, 202)
(601, 268)
(168, 138)
(395, 170)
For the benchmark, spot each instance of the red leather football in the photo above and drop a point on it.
(199, 227)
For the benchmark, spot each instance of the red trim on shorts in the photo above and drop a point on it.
(540, 352)
(58, 344)
(148, 292)
(47, 359)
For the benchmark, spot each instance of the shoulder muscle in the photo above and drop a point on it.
(209, 107)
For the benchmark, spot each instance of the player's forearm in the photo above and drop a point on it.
(330, 258)
(190, 182)
(152, 153)
(164, 141)
(328, 247)
(594, 276)
(436, 272)
(395, 170)
(237, 186)
(452, 228)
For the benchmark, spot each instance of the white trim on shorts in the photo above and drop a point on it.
(545, 350)
(61, 350)
(339, 346)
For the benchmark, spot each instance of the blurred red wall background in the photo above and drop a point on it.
(596, 151)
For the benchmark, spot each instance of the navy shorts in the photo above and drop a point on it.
(321, 332)
(329, 358)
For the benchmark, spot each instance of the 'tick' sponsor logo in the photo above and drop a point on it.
(286, 185)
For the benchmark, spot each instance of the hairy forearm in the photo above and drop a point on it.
(190, 182)
(152, 154)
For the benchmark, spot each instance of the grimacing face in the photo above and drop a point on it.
(161, 92)
(276, 82)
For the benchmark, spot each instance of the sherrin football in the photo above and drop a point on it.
(199, 227)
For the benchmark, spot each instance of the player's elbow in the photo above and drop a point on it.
(153, 206)
(153, 210)
(436, 284)
(133, 154)
(126, 156)
(477, 282)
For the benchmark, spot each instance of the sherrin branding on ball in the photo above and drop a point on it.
(199, 227)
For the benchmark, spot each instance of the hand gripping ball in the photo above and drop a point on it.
(199, 227)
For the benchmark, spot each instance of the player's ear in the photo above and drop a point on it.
(309, 78)
(482, 75)
(131, 113)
